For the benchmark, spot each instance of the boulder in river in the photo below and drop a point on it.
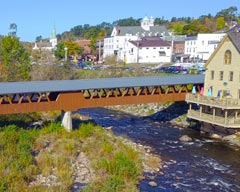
(152, 184)
(185, 138)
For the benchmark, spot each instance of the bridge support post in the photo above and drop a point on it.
(67, 120)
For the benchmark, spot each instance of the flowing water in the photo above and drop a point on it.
(201, 165)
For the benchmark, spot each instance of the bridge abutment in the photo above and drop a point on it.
(67, 120)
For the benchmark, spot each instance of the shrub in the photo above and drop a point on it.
(53, 127)
(86, 130)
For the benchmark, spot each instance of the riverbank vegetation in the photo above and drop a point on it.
(49, 152)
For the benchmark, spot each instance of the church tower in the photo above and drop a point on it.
(147, 23)
(53, 37)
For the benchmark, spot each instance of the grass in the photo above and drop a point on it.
(119, 165)
(26, 154)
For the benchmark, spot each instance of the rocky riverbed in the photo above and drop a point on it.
(81, 167)
(83, 172)
(174, 114)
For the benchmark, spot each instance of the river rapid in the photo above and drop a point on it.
(199, 166)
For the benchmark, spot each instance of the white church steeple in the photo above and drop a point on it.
(53, 37)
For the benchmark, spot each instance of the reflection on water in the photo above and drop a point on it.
(201, 165)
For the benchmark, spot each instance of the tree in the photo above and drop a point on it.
(178, 28)
(39, 38)
(15, 60)
(91, 33)
(13, 30)
(220, 23)
(101, 34)
(128, 22)
(72, 48)
(59, 51)
(92, 44)
(229, 14)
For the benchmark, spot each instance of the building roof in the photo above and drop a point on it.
(84, 84)
(150, 43)
(236, 28)
(235, 38)
(139, 31)
(85, 44)
(175, 38)
(191, 37)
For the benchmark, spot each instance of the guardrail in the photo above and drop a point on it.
(225, 103)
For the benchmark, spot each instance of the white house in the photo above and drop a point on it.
(148, 51)
(47, 45)
(201, 46)
(118, 41)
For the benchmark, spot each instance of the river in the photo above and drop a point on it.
(201, 165)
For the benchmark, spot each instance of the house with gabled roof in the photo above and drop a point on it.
(219, 101)
(116, 44)
(148, 51)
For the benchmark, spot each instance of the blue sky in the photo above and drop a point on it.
(34, 18)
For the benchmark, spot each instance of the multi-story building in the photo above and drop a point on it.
(148, 51)
(219, 102)
(201, 46)
(117, 43)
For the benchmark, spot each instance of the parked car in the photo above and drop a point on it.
(81, 65)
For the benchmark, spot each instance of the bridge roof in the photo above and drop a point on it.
(84, 84)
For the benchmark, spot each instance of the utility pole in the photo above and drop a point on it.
(138, 52)
(99, 49)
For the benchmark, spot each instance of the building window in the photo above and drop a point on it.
(227, 57)
(208, 110)
(230, 75)
(162, 53)
(221, 75)
(212, 75)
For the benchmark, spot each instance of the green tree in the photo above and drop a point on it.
(178, 28)
(128, 22)
(39, 38)
(220, 23)
(92, 44)
(59, 51)
(229, 14)
(15, 60)
(13, 29)
(92, 33)
(73, 49)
